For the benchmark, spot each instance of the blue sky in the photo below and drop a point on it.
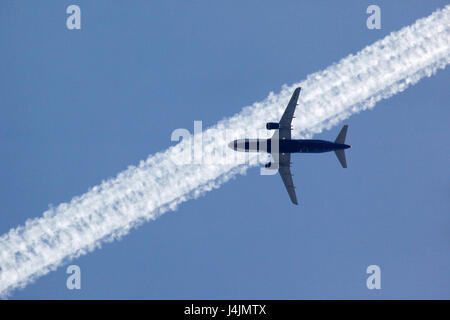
(77, 107)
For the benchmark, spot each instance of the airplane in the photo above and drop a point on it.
(281, 152)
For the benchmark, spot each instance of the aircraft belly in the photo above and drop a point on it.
(304, 146)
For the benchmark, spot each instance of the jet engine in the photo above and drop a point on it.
(272, 125)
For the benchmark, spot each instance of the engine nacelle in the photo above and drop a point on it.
(272, 125)
(268, 165)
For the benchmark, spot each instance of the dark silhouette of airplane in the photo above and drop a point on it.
(280, 146)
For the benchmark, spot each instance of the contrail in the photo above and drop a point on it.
(160, 183)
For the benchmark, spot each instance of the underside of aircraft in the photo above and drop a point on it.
(280, 145)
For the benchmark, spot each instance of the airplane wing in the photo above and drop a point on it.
(286, 119)
(285, 173)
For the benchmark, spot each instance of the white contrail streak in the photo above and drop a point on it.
(158, 184)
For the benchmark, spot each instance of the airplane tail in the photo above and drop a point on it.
(340, 154)
(341, 136)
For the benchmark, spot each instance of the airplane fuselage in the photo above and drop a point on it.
(286, 146)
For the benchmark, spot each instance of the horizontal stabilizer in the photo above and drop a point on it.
(341, 137)
(340, 154)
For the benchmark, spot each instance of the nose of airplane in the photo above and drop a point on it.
(231, 145)
(347, 146)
